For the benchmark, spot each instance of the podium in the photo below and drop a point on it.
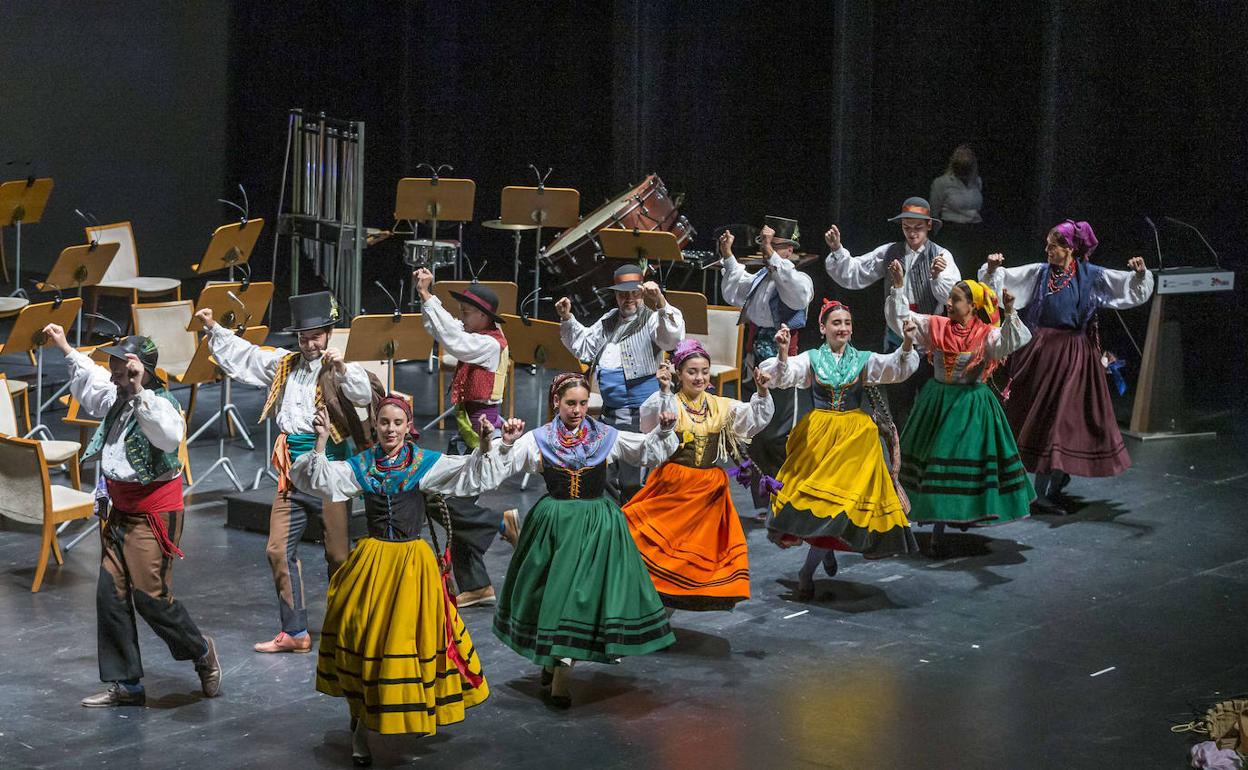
(203, 368)
(22, 201)
(558, 207)
(1159, 391)
(27, 336)
(79, 266)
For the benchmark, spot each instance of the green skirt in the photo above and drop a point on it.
(577, 588)
(959, 461)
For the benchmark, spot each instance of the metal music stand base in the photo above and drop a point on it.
(231, 412)
(223, 428)
(267, 469)
(440, 418)
(40, 429)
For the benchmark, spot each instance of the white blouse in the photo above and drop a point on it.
(641, 449)
(1002, 340)
(1116, 289)
(880, 369)
(745, 419)
(457, 475)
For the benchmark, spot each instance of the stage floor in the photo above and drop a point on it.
(1070, 642)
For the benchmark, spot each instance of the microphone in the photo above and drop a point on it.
(1157, 240)
(116, 337)
(398, 312)
(1216, 262)
(247, 321)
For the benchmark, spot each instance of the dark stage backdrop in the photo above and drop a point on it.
(822, 111)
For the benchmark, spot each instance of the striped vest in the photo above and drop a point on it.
(639, 356)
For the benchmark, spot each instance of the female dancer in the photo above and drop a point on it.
(838, 493)
(393, 643)
(959, 462)
(576, 588)
(683, 520)
(1058, 401)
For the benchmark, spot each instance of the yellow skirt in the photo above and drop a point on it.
(837, 490)
(384, 641)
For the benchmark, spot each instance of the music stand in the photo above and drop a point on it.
(22, 201)
(79, 266)
(434, 199)
(27, 336)
(642, 246)
(692, 306)
(225, 310)
(387, 338)
(558, 207)
(230, 247)
(204, 369)
(536, 343)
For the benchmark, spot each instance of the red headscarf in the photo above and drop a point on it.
(398, 401)
(829, 305)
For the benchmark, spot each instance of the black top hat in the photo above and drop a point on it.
(786, 231)
(628, 278)
(139, 346)
(312, 311)
(916, 208)
(482, 298)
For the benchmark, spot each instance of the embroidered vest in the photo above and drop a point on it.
(473, 383)
(278, 389)
(148, 462)
(919, 276)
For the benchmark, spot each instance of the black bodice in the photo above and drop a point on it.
(843, 399)
(395, 517)
(583, 484)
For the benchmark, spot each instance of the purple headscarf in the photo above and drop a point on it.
(1080, 237)
(686, 349)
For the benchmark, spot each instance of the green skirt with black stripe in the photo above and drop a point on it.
(577, 588)
(385, 641)
(959, 460)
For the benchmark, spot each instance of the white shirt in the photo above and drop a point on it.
(253, 365)
(469, 347)
(955, 201)
(880, 369)
(796, 289)
(456, 475)
(161, 422)
(861, 272)
(1118, 289)
(745, 419)
(665, 326)
(1002, 340)
(647, 450)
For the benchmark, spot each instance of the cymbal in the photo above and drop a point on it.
(497, 224)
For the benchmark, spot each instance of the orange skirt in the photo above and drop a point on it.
(690, 538)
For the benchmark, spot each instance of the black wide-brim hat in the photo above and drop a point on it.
(481, 297)
(312, 311)
(628, 278)
(139, 346)
(786, 232)
(916, 208)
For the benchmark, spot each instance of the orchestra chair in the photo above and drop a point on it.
(724, 341)
(165, 324)
(123, 277)
(56, 453)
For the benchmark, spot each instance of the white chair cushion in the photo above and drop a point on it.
(718, 369)
(16, 386)
(57, 452)
(12, 304)
(65, 497)
(144, 283)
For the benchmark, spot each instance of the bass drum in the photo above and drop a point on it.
(575, 262)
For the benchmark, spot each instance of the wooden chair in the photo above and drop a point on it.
(165, 323)
(55, 452)
(507, 293)
(724, 340)
(27, 495)
(123, 277)
(20, 389)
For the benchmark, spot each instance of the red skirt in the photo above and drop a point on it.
(1059, 407)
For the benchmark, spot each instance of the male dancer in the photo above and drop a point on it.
(480, 348)
(300, 382)
(930, 274)
(626, 347)
(774, 296)
(137, 443)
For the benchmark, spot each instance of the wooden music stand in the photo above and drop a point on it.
(203, 368)
(642, 246)
(387, 338)
(225, 311)
(231, 246)
(27, 335)
(692, 306)
(79, 266)
(558, 207)
(22, 201)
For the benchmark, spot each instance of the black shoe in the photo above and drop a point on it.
(1059, 484)
(115, 695)
(829, 563)
(362, 760)
(209, 670)
(805, 590)
(548, 676)
(1043, 506)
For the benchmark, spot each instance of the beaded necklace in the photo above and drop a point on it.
(699, 412)
(1059, 280)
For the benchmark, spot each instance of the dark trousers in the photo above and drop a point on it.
(623, 480)
(474, 528)
(288, 519)
(136, 575)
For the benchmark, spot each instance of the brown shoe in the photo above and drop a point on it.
(209, 670)
(511, 526)
(284, 642)
(479, 596)
(115, 695)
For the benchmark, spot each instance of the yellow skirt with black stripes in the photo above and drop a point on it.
(384, 641)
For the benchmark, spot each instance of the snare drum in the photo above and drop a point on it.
(425, 253)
